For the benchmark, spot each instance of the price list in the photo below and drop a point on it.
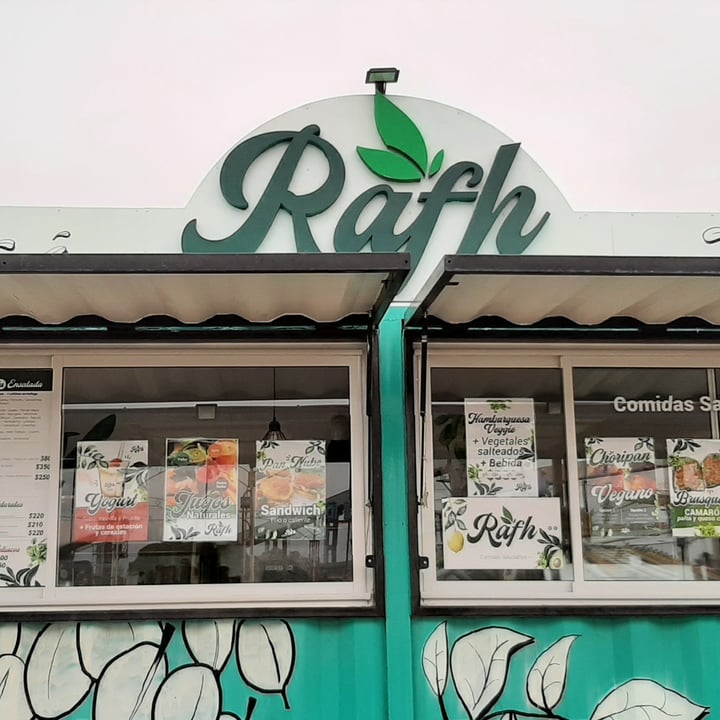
(25, 462)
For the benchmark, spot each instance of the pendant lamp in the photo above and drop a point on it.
(274, 431)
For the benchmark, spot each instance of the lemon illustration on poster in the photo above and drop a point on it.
(500, 439)
(694, 473)
(201, 490)
(291, 489)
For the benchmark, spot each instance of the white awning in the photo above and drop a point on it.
(586, 290)
(53, 289)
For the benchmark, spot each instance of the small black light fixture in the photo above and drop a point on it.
(380, 77)
(274, 431)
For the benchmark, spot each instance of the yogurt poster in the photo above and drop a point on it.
(500, 439)
(694, 468)
(111, 496)
(201, 490)
(290, 490)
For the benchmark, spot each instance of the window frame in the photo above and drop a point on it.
(353, 597)
(579, 592)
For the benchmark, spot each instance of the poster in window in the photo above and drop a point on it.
(290, 490)
(111, 496)
(201, 490)
(620, 487)
(694, 475)
(502, 533)
(500, 442)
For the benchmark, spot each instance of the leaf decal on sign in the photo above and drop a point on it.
(435, 659)
(265, 655)
(13, 703)
(436, 164)
(399, 132)
(191, 692)
(9, 638)
(55, 683)
(100, 643)
(479, 665)
(126, 689)
(209, 642)
(646, 700)
(548, 675)
(389, 165)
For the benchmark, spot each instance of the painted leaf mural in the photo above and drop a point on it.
(9, 638)
(210, 642)
(479, 663)
(13, 703)
(127, 687)
(646, 700)
(100, 643)
(435, 659)
(548, 675)
(191, 692)
(54, 679)
(265, 655)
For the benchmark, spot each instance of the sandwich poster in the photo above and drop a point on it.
(502, 533)
(620, 486)
(500, 442)
(290, 489)
(201, 490)
(694, 474)
(111, 496)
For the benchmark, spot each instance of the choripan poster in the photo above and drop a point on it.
(500, 442)
(501, 533)
(694, 469)
(290, 490)
(111, 496)
(620, 487)
(201, 490)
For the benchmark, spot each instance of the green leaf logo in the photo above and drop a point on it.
(406, 157)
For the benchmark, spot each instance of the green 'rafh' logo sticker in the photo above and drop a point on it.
(406, 157)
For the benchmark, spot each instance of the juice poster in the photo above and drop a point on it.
(620, 487)
(500, 441)
(694, 469)
(111, 496)
(290, 489)
(201, 490)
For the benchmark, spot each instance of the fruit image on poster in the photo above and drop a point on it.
(111, 496)
(694, 476)
(500, 441)
(201, 490)
(620, 488)
(290, 489)
(502, 533)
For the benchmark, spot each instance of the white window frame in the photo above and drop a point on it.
(358, 593)
(578, 591)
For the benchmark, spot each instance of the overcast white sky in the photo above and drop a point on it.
(129, 103)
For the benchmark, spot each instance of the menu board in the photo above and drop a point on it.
(111, 496)
(502, 533)
(694, 468)
(620, 486)
(25, 462)
(500, 442)
(290, 490)
(201, 490)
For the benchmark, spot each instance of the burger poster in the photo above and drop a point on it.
(201, 490)
(500, 441)
(290, 489)
(111, 496)
(694, 470)
(620, 486)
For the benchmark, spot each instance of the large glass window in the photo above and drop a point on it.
(569, 476)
